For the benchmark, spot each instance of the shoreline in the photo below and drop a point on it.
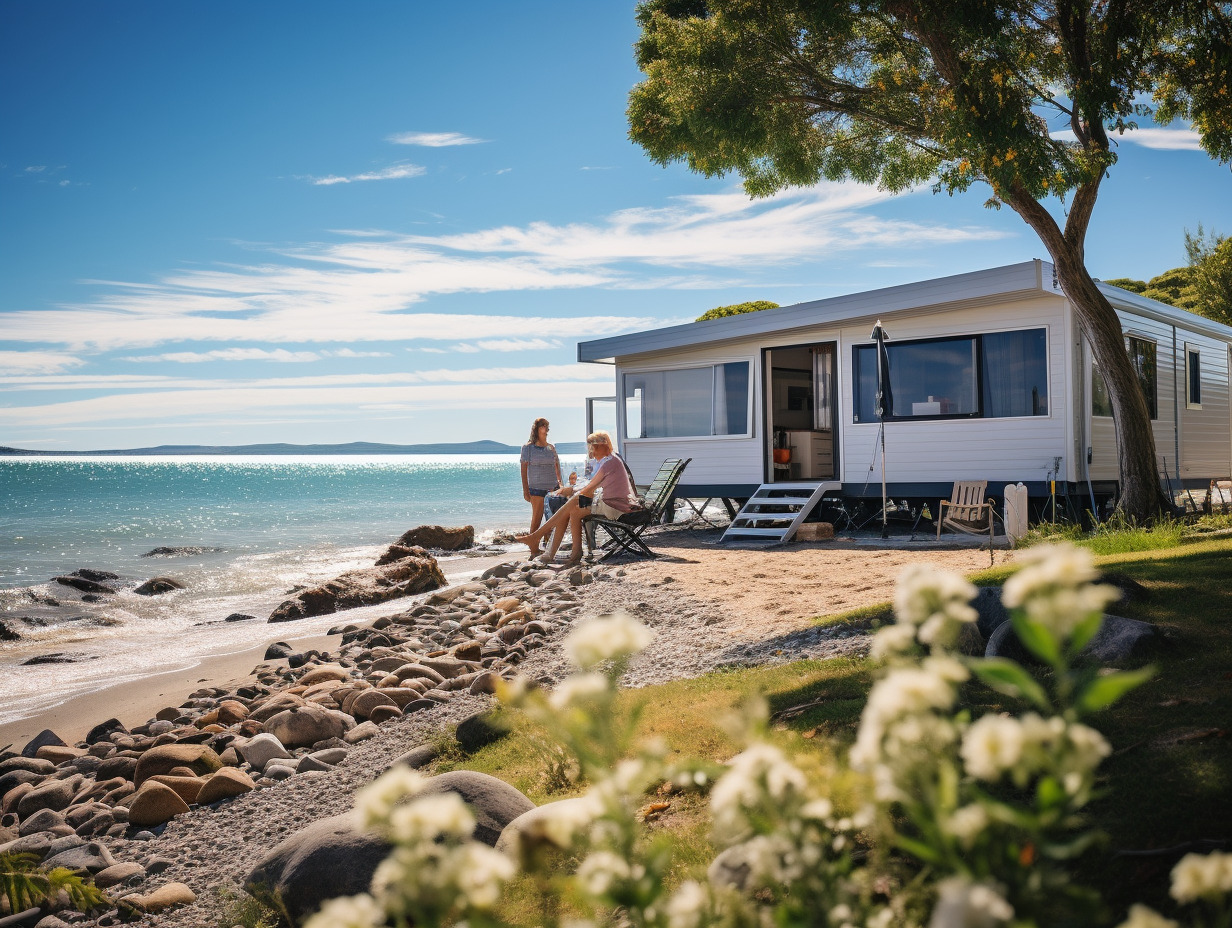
(134, 702)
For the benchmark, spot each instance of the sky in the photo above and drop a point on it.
(227, 223)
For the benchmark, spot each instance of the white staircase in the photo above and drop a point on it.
(775, 510)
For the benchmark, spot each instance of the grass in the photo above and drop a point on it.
(1118, 536)
(1168, 783)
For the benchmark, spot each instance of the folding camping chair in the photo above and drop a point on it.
(625, 533)
(968, 509)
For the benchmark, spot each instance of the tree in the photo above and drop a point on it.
(736, 309)
(898, 92)
(1210, 259)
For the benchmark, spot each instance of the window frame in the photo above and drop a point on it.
(1151, 402)
(1193, 355)
(750, 425)
(980, 415)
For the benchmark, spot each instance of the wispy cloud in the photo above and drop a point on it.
(351, 353)
(230, 354)
(518, 344)
(299, 294)
(37, 362)
(1165, 139)
(434, 139)
(393, 172)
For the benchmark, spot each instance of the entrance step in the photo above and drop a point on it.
(774, 512)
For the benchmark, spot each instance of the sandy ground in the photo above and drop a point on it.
(779, 589)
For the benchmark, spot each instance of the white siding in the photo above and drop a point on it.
(1206, 433)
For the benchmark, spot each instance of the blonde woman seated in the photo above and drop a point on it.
(618, 498)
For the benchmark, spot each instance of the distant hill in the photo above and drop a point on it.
(356, 447)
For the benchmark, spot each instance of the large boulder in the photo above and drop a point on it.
(44, 737)
(154, 804)
(493, 801)
(57, 795)
(224, 784)
(156, 586)
(166, 757)
(991, 611)
(260, 750)
(405, 577)
(303, 726)
(327, 859)
(439, 538)
(397, 552)
(541, 826)
(1121, 641)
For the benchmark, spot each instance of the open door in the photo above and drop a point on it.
(801, 413)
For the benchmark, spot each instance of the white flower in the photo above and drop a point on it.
(1142, 917)
(480, 872)
(1056, 587)
(1199, 876)
(760, 773)
(431, 817)
(963, 904)
(1086, 748)
(559, 823)
(902, 692)
(892, 640)
(581, 687)
(818, 810)
(606, 637)
(375, 802)
(992, 746)
(600, 871)
(884, 918)
(938, 602)
(360, 911)
(688, 906)
(967, 824)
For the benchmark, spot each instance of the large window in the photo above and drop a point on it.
(1142, 359)
(973, 376)
(688, 402)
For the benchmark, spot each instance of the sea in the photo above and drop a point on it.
(239, 533)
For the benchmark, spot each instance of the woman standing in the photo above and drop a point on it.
(540, 470)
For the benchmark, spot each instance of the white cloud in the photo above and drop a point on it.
(231, 354)
(518, 344)
(1165, 139)
(393, 172)
(36, 362)
(434, 139)
(36, 169)
(351, 353)
(365, 288)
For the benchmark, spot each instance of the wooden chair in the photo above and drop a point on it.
(625, 533)
(1219, 497)
(969, 512)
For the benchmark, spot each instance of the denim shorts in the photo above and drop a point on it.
(534, 492)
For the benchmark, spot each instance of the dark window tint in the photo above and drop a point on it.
(1142, 357)
(1015, 373)
(1193, 374)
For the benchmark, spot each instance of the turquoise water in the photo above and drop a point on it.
(59, 514)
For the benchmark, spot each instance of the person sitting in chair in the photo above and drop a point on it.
(618, 498)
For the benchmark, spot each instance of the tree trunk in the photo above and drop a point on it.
(1142, 498)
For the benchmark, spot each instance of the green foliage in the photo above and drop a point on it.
(1204, 286)
(736, 309)
(25, 883)
(898, 93)
(1127, 283)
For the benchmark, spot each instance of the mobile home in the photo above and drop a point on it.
(990, 378)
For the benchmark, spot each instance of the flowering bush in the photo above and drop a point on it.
(967, 822)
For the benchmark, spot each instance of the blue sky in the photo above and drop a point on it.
(224, 223)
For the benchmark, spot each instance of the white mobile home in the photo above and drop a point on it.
(991, 380)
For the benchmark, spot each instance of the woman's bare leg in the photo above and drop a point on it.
(536, 512)
(561, 517)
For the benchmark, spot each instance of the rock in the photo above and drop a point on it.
(368, 700)
(186, 551)
(970, 641)
(260, 750)
(224, 784)
(103, 731)
(44, 820)
(439, 538)
(731, 868)
(118, 873)
(165, 897)
(303, 726)
(277, 651)
(156, 586)
(533, 828)
(91, 858)
(815, 531)
(1003, 642)
(46, 736)
(1120, 641)
(165, 758)
(185, 787)
(374, 585)
(83, 584)
(36, 843)
(1131, 590)
(361, 732)
(15, 778)
(468, 651)
(481, 729)
(272, 706)
(992, 614)
(7, 634)
(154, 804)
(57, 795)
(327, 859)
(117, 766)
(26, 918)
(56, 657)
(325, 673)
(494, 802)
(416, 758)
(28, 764)
(240, 617)
(58, 754)
(396, 552)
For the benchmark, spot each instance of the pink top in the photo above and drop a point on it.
(613, 480)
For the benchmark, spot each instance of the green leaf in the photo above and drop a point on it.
(1011, 678)
(1104, 691)
(1085, 631)
(1049, 793)
(1037, 639)
(918, 849)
